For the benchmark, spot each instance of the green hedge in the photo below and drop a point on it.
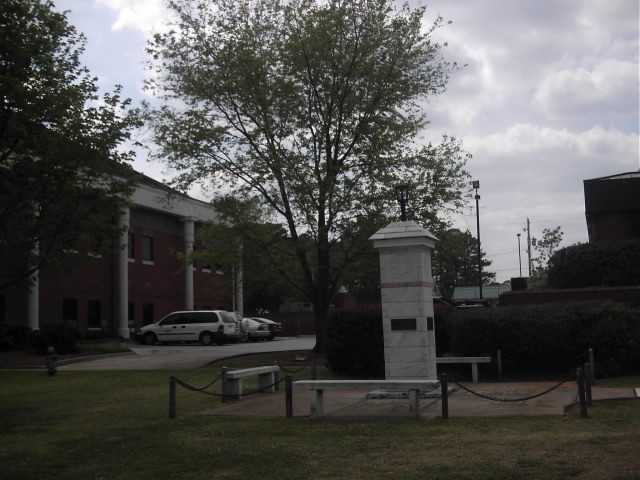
(596, 265)
(551, 337)
(62, 337)
(13, 336)
(533, 338)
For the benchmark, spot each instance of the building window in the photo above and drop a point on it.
(131, 247)
(131, 315)
(93, 314)
(147, 313)
(69, 309)
(147, 248)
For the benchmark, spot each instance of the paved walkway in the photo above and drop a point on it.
(353, 404)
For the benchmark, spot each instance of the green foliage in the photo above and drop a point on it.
(311, 107)
(550, 337)
(62, 337)
(596, 265)
(455, 262)
(13, 336)
(355, 344)
(613, 330)
(64, 174)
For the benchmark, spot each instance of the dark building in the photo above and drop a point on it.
(612, 207)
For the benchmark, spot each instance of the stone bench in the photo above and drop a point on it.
(232, 380)
(474, 361)
(317, 387)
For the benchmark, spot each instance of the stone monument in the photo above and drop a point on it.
(407, 300)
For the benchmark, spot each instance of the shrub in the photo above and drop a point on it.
(355, 344)
(613, 330)
(13, 336)
(595, 265)
(551, 337)
(62, 337)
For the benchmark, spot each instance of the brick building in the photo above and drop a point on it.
(137, 284)
(612, 207)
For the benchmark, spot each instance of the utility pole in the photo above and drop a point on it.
(519, 257)
(529, 244)
(476, 185)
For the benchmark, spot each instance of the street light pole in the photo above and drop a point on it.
(476, 185)
(519, 256)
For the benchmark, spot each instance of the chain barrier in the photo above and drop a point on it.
(222, 395)
(292, 372)
(260, 390)
(508, 400)
(200, 390)
(565, 363)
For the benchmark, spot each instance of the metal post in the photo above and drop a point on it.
(52, 361)
(445, 396)
(223, 388)
(499, 361)
(172, 397)
(314, 373)
(587, 384)
(592, 365)
(519, 256)
(581, 394)
(476, 185)
(288, 396)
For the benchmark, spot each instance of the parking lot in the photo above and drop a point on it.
(191, 355)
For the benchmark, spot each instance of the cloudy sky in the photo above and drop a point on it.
(549, 98)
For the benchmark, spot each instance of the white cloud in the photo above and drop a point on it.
(147, 16)
(611, 87)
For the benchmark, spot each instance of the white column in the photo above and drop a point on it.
(123, 275)
(33, 298)
(189, 238)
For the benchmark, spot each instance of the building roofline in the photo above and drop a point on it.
(617, 176)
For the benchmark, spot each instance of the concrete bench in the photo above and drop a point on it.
(474, 361)
(317, 387)
(232, 380)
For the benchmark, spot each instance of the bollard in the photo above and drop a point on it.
(499, 361)
(172, 397)
(276, 377)
(52, 361)
(587, 384)
(445, 396)
(592, 365)
(288, 396)
(581, 394)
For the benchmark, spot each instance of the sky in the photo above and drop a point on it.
(548, 97)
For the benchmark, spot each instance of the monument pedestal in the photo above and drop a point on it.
(407, 301)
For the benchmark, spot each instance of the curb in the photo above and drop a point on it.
(87, 358)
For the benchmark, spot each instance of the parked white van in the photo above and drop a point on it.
(204, 326)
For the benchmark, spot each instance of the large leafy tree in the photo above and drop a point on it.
(455, 262)
(63, 177)
(312, 107)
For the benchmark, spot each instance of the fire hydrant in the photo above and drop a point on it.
(52, 361)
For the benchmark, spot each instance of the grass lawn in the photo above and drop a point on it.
(114, 425)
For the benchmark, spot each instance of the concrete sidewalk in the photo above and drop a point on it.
(353, 404)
